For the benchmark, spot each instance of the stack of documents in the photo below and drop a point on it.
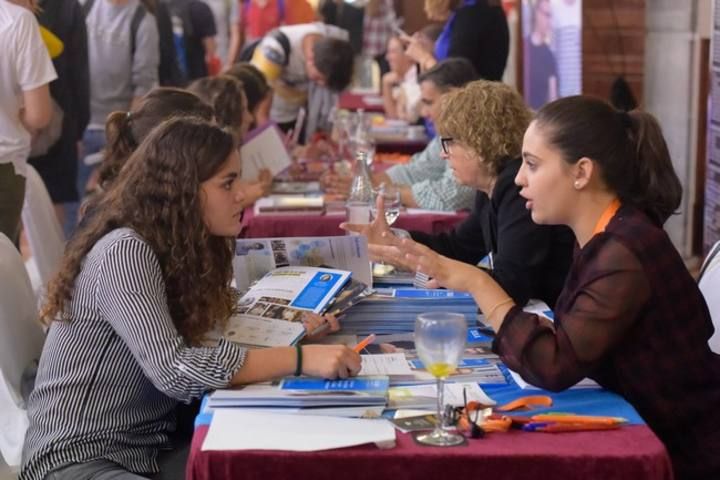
(306, 392)
(393, 310)
(290, 205)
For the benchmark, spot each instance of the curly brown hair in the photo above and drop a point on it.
(126, 130)
(157, 194)
(489, 117)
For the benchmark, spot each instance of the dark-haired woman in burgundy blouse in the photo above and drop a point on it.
(630, 316)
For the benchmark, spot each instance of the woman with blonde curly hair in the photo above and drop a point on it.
(141, 286)
(481, 130)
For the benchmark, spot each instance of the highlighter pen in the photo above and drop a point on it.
(364, 343)
(573, 427)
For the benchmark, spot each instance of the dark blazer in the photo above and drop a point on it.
(529, 260)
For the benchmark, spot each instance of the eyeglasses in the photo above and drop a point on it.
(445, 144)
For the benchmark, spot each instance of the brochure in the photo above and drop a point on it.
(270, 313)
(264, 148)
(254, 257)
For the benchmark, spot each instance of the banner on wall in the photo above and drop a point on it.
(712, 182)
(552, 50)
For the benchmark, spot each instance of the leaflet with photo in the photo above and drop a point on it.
(254, 257)
(270, 312)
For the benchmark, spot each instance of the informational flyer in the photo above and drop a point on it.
(254, 257)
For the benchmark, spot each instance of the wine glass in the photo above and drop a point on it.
(440, 341)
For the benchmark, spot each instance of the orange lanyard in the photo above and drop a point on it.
(607, 215)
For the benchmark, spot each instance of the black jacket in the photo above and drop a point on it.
(529, 260)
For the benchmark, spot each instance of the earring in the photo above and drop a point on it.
(577, 184)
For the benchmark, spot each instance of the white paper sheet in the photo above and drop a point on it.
(385, 364)
(235, 429)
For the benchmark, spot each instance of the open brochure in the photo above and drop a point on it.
(264, 148)
(254, 257)
(270, 313)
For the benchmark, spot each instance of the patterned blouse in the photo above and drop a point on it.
(632, 318)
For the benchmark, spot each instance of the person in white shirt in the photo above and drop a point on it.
(294, 58)
(25, 73)
(400, 88)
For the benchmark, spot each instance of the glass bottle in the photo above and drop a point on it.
(361, 192)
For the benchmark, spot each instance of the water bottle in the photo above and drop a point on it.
(361, 192)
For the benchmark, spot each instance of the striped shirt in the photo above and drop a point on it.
(110, 378)
(432, 181)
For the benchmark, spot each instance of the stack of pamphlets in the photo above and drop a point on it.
(306, 392)
(393, 310)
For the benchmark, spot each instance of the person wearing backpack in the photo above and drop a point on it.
(25, 107)
(71, 91)
(194, 33)
(123, 53)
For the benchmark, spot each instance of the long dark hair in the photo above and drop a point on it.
(126, 130)
(629, 148)
(157, 194)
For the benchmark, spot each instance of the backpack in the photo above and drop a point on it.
(47, 137)
(169, 72)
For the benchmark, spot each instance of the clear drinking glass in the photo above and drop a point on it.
(391, 197)
(439, 341)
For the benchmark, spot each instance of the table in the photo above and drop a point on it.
(268, 226)
(355, 101)
(632, 453)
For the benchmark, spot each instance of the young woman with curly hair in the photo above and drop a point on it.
(227, 96)
(630, 316)
(141, 286)
(481, 128)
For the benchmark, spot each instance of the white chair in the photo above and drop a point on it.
(43, 232)
(21, 341)
(709, 283)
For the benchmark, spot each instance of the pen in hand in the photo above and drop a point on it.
(364, 343)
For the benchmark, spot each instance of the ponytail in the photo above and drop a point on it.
(629, 148)
(119, 147)
(657, 189)
(125, 131)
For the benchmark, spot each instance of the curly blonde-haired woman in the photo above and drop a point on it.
(481, 129)
(140, 286)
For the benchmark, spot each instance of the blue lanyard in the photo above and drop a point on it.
(442, 44)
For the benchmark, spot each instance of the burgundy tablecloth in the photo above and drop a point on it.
(268, 226)
(354, 101)
(631, 453)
